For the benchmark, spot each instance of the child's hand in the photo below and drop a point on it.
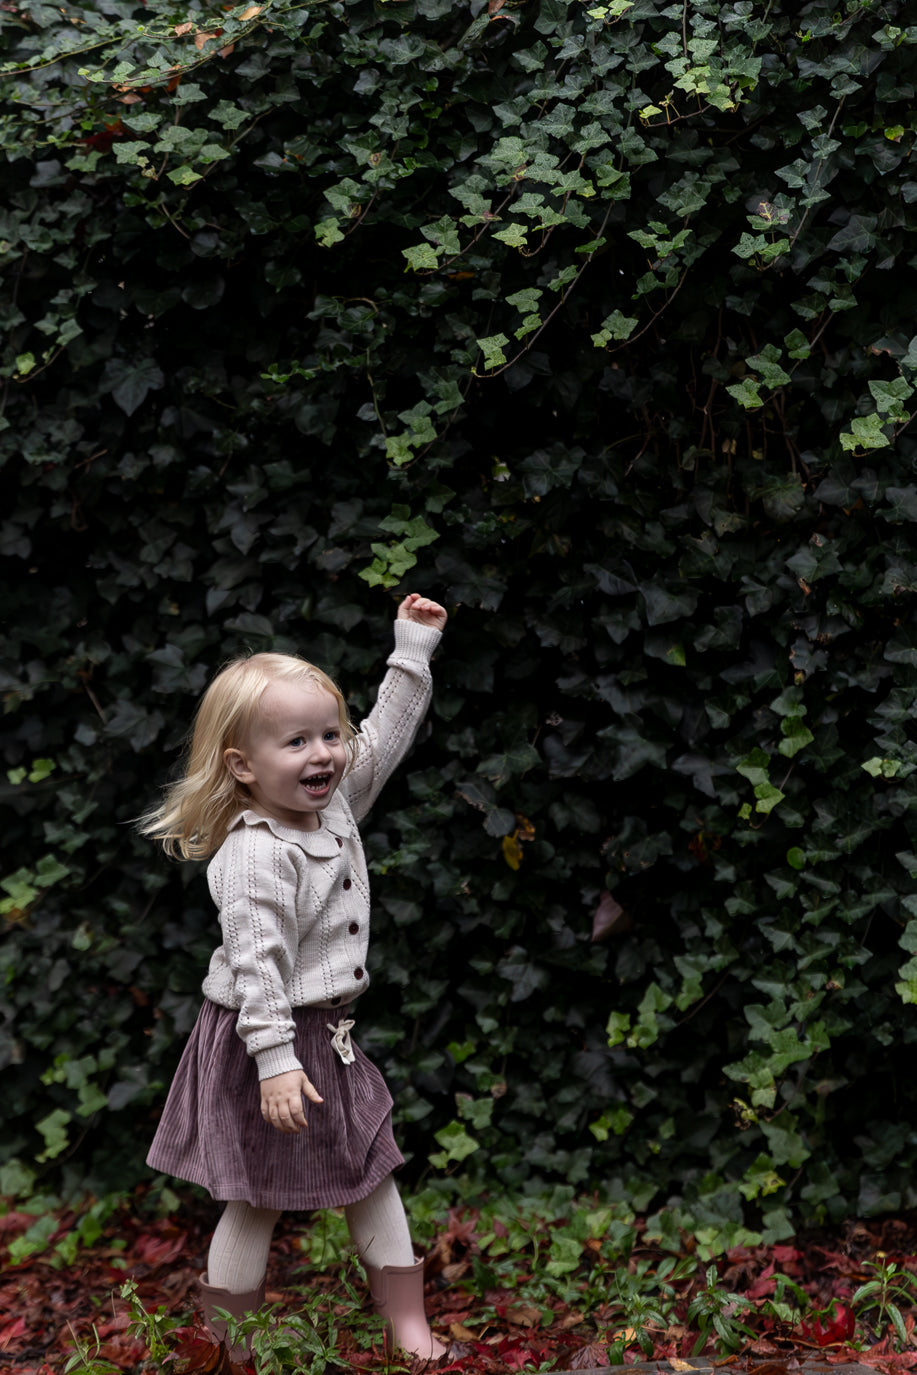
(423, 611)
(281, 1100)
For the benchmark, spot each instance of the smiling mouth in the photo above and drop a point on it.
(317, 784)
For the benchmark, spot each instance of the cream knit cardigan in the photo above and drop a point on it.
(294, 905)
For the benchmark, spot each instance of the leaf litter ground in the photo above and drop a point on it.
(841, 1298)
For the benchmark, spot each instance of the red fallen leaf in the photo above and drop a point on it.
(119, 1323)
(786, 1255)
(841, 1264)
(150, 1250)
(15, 1222)
(127, 1355)
(517, 1358)
(609, 918)
(763, 1285)
(589, 1357)
(455, 1242)
(105, 138)
(840, 1328)
(17, 1328)
(763, 1347)
(203, 1357)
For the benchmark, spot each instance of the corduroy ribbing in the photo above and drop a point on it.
(212, 1132)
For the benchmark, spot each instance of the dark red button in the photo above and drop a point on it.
(339, 840)
(354, 927)
(346, 884)
(358, 973)
(335, 1001)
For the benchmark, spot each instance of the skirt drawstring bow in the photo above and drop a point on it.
(340, 1039)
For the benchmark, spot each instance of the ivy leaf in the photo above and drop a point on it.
(768, 797)
(614, 326)
(515, 235)
(866, 432)
(796, 736)
(131, 383)
(53, 1129)
(422, 257)
(746, 393)
(457, 1145)
(492, 348)
(891, 396)
(515, 761)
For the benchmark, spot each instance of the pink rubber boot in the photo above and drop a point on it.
(397, 1295)
(236, 1304)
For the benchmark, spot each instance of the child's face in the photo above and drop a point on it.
(294, 757)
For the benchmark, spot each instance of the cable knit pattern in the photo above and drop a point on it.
(294, 905)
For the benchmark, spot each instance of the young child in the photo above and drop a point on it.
(275, 784)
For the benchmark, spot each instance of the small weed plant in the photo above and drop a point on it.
(86, 1358)
(892, 1288)
(717, 1312)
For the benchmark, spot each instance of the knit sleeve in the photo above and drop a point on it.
(388, 732)
(261, 938)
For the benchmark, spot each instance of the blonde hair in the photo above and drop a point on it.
(195, 815)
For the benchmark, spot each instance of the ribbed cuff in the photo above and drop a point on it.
(415, 641)
(276, 1060)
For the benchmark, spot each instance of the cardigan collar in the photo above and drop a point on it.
(324, 843)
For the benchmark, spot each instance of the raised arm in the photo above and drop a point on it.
(404, 696)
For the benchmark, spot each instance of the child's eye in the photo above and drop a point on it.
(297, 740)
(331, 734)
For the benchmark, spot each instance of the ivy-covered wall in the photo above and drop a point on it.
(594, 321)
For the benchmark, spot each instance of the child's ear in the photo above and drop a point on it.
(237, 765)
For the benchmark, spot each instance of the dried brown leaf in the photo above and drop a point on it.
(523, 1315)
(567, 1321)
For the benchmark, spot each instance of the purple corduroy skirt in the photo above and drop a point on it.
(212, 1133)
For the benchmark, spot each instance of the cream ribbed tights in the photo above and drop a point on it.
(237, 1259)
(379, 1228)
(238, 1253)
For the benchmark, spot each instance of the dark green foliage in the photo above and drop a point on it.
(596, 323)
